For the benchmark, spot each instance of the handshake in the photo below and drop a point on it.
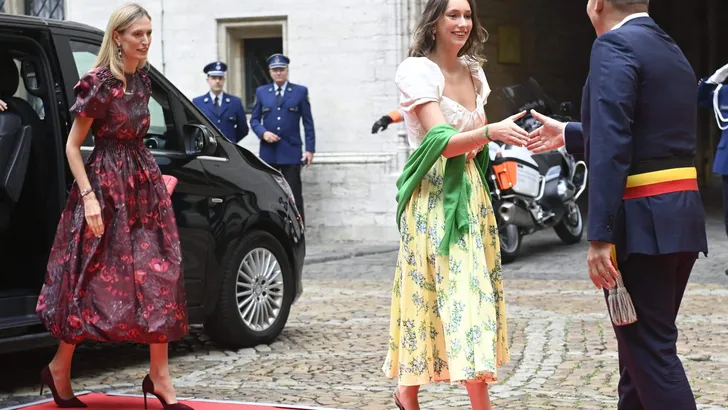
(549, 136)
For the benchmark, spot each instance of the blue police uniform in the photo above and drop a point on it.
(715, 97)
(283, 116)
(281, 110)
(639, 115)
(229, 113)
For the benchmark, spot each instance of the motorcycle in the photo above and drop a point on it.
(530, 192)
(534, 192)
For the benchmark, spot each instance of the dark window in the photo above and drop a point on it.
(2, 6)
(256, 53)
(45, 8)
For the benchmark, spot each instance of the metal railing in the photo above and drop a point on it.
(53, 9)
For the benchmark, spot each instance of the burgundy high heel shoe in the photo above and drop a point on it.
(46, 379)
(148, 387)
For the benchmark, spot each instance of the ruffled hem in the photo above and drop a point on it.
(487, 376)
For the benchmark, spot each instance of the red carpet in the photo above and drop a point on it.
(100, 401)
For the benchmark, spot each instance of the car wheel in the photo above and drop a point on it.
(256, 294)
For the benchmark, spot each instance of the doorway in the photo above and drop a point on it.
(255, 58)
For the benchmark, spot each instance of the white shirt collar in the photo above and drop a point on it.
(212, 97)
(630, 17)
(283, 87)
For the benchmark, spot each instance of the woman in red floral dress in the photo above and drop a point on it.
(115, 269)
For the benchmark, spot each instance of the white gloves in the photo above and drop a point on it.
(719, 76)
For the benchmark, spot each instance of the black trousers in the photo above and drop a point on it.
(725, 202)
(292, 174)
(652, 376)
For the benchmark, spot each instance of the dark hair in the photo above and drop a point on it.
(423, 43)
(631, 5)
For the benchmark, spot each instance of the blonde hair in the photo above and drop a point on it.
(120, 20)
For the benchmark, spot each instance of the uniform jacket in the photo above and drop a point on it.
(231, 117)
(284, 121)
(717, 101)
(639, 104)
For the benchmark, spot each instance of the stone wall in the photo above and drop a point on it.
(346, 52)
(351, 199)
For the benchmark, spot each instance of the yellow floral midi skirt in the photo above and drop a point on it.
(448, 316)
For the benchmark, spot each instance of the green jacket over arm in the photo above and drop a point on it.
(456, 187)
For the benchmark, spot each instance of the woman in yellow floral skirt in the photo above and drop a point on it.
(448, 311)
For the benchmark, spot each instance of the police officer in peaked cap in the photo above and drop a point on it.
(279, 109)
(226, 111)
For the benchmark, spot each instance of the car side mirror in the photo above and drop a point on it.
(566, 108)
(199, 140)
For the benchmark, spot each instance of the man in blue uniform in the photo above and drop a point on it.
(712, 95)
(226, 111)
(639, 113)
(278, 111)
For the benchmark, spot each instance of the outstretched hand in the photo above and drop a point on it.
(508, 131)
(549, 136)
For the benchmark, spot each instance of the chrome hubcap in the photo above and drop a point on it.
(259, 289)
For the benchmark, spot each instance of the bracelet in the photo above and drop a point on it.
(486, 134)
(85, 192)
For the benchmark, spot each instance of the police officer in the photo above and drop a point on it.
(278, 111)
(226, 111)
(713, 95)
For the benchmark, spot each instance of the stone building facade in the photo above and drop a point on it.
(347, 51)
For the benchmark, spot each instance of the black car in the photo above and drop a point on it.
(241, 235)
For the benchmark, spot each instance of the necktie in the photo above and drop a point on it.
(279, 97)
(217, 106)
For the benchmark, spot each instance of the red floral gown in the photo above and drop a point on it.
(128, 284)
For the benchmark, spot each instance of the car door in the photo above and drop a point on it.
(165, 140)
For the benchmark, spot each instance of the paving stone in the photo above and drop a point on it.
(563, 351)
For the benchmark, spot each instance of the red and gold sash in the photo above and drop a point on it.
(661, 182)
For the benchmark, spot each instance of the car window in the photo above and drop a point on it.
(84, 55)
(34, 101)
(162, 134)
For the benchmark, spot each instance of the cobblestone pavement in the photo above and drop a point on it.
(331, 352)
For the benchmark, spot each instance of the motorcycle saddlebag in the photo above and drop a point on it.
(515, 176)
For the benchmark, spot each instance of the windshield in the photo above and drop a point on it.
(520, 97)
